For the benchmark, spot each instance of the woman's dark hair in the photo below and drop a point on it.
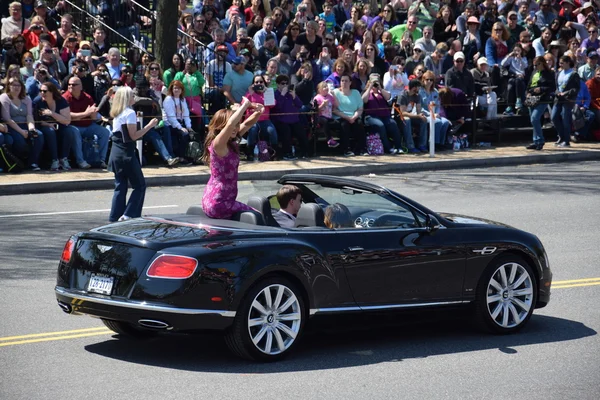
(52, 89)
(347, 37)
(288, 29)
(446, 96)
(181, 63)
(542, 60)
(569, 60)
(338, 216)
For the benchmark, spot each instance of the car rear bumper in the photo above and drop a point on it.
(120, 309)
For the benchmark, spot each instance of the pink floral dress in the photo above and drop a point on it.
(221, 190)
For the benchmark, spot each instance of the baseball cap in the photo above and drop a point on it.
(40, 3)
(419, 46)
(84, 43)
(459, 55)
(482, 60)
(238, 60)
(592, 54)
(222, 47)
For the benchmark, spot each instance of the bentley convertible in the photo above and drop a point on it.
(260, 284)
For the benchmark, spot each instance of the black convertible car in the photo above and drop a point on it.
(260, 283)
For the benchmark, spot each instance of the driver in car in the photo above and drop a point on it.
(290, 200)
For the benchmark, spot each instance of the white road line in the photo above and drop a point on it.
(74, 212)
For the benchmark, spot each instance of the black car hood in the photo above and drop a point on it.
(467, 220)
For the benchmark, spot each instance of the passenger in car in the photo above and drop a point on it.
(290, 200)
(338, 216)
(222, 154)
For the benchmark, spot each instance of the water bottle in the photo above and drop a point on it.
(96, 147)
(293, 151)
(255, 153)
(143, 43)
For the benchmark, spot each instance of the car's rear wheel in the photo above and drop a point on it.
(269, 321)
(128, 330)
(506, 295)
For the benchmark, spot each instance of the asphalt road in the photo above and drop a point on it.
(46, 354)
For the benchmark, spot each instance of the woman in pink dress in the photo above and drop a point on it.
(221, 152)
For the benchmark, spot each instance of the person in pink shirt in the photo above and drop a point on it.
(325, 103)
(264, 128)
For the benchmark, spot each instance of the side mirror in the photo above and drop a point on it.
(432, 223)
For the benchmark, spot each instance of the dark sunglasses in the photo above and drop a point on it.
(459, 61)
(43, 91)
(154, 68)
(126, 71)
(283, 83)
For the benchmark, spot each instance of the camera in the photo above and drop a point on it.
(72, 39)
(302, 8)
(81, 69)
(35, 27)
(42, 72)
(376, 84)
(245, 40)
(258, 88)
(85, 52)
(33, 134)
(291, 88)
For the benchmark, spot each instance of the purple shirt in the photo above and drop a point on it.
(286, 108)
(377, 106)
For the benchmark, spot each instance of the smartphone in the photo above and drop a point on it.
(291, 88)
(85, 52)
(245, 40)
(532, 14)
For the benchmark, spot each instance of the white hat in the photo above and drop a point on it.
(419, 46)
(481, 61)
(459, 55)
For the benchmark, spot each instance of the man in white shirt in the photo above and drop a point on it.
(290, 200)
(14, 24)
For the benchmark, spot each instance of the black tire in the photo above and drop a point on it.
(239, 336)
(503, 311)
(128, 330)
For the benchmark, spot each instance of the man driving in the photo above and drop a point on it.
(290, 200)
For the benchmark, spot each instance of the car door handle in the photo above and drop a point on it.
(354, 249)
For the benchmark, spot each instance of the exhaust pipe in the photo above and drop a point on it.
(65, 307)
(154, 324)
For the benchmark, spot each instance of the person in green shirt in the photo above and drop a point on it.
(193, 81)
(177, 64)
(398, 31)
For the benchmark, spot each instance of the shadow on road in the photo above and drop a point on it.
(339, 347)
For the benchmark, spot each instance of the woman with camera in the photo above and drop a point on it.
(378, 114)
(264, 128)
(123, 160)
(17, 112)
(54, 116)
(287, 119)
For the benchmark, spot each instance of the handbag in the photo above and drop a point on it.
(9, 161)
(194, 104)
(532, 100)
(265, 152)
(374, 145)
(578, 118)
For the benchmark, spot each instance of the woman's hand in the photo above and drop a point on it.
(537, 90)
(152, 123)
(3, 128)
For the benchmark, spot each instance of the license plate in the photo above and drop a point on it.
(100, 284)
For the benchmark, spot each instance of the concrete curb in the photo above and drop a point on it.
(273, 174)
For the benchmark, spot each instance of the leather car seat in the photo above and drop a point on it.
(263, 206)
(249, 217)
(310, 214)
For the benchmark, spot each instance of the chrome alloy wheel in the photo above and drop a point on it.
(274, 319)
(510, 295)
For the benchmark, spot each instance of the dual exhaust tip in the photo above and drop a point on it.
(146, 323)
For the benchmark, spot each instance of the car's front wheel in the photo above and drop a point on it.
(269, 321)
(506, 295)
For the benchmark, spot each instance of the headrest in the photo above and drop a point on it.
(310, 214)
(262, 205)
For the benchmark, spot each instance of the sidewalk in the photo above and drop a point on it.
(512, 154)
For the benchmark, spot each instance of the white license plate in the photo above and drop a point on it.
(100, 284)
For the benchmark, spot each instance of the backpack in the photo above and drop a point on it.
(265, 152)
(91, 151)
(374, 145)
(194, 152)
(9, 162)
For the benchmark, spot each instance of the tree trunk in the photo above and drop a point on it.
(165, 34)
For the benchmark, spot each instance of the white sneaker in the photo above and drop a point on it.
(54, 166)
(84, 165)
(35, 167)
(64, 164)
(243, 141)
(124, 218)
(393, 150)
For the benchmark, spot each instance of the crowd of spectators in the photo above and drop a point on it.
(353, 69)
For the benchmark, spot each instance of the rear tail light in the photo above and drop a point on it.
(172, 267)
(68, 250)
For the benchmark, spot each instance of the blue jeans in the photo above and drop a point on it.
(386, 127)
(562, 115)
(441, 129)
(50, 137)
(103, 135)
(22, 146)
(266, 128)
(422, 141)
(156, 139)
(127, 171)
(536, 113)
(6, 139)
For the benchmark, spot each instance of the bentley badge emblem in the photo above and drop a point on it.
(104, 249)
